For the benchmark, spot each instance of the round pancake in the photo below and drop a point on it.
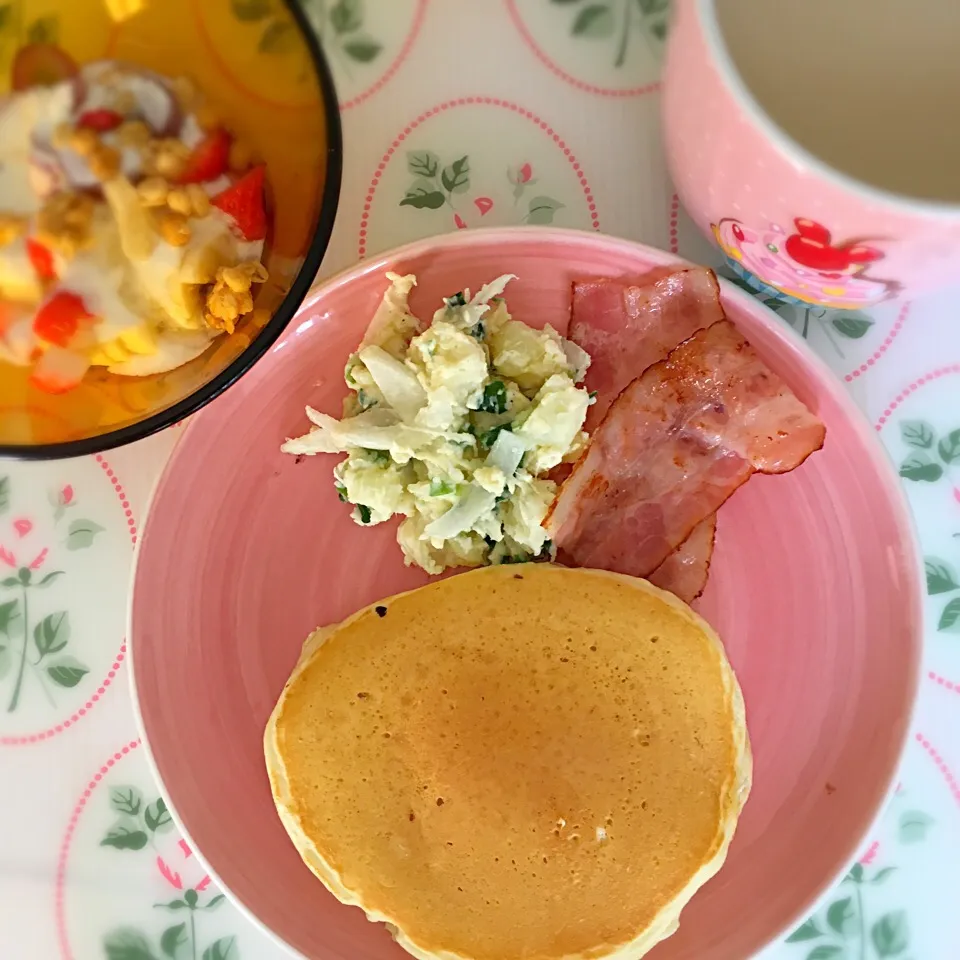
(518, 761)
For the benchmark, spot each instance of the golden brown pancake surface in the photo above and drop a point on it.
(521, 761)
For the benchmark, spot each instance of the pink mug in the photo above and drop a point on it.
(817, 143)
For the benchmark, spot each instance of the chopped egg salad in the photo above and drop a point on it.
(132, 226)
(454, 426)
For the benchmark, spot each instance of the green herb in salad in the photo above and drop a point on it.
(494, 399)
(489, 437)
(441, 488)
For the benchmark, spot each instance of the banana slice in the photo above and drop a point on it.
(174, 348)
(137, 236)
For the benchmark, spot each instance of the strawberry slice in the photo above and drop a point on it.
(59, 370)
(101, 120)
(209, 159)
(41, 65)
(42, 260)
(58, 320)
(243, 201)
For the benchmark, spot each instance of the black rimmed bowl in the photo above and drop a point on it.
(262, 66)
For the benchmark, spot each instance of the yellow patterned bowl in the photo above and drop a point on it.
(260, 65)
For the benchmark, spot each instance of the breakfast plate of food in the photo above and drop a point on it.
(537, 595)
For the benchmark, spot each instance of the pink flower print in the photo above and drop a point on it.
(870, 855)
(483, 204)
(956, 494)
(521, 178)
(66, 495)
(21, 529)
(459, 221)
(179, 857)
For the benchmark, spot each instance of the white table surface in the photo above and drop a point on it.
(554, 130)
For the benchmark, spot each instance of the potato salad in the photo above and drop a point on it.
(455, 426)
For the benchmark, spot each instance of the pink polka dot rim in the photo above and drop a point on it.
(952, 785)
(398, 61)
(943, 682)
(124, 502)
(674, 222)
(25, 740)
(912, 388)
(464, 102)
(64, 725)
(557, 70)
(882, 349)
(61, 875)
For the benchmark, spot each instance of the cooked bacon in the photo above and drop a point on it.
(684, 572)
(626, 329)
(674, 445)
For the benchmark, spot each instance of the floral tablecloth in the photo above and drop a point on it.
(456, 113)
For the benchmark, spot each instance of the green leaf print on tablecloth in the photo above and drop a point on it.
(33, 649)
(914, 826)
(617, 22)
(140, 825)
(847, 928)
(344, 30)
(932, 456)
(437, 185)
(843, 930)
(942, 578)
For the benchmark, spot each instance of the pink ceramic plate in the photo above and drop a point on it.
(814, 588)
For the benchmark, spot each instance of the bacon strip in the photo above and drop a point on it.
(626, 329)
(684, 573)
(674, 445)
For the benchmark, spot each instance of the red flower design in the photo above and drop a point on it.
(182, 856)
(525, 173)
(870, 855)
(459, 221)
(66, 495)
(21, 528)
(483, 204)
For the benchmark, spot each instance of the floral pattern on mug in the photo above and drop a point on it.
(805, 266)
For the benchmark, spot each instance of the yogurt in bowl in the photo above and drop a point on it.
(132, 226)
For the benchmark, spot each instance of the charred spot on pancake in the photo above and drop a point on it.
(440, 801)
(362, 695)
(300, 457)
(411, 816)
(829, 788)
(518, 576)
(654, 638)
(381, 611)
